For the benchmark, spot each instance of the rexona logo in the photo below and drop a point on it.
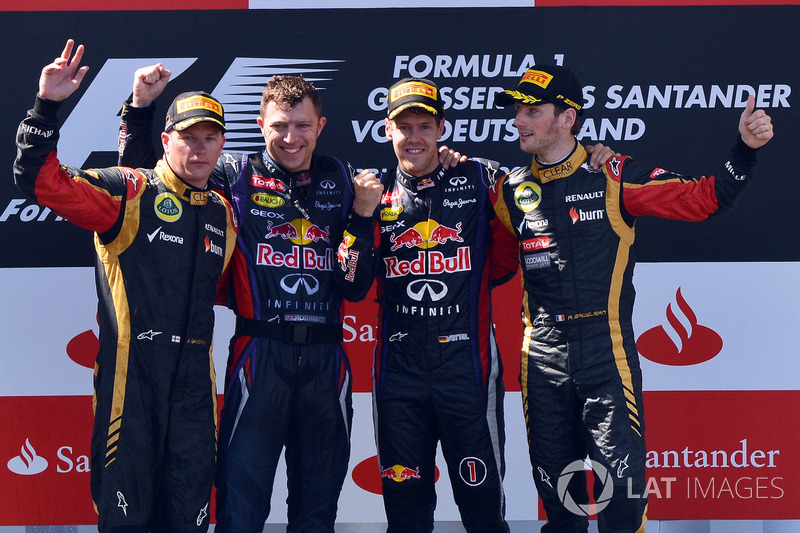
(27, 463)
(680, 342)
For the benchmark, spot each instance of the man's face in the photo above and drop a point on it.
(291, 133)
(414, 137)
(192, 153)
(538, 128)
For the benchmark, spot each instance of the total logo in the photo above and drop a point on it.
(681, 341)
(30, 463)
(426, 235)
(299, 231)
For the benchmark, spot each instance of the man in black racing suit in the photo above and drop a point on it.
(437, 371)
(162, 239)
(574, 227)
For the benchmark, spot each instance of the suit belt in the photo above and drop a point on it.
(294, 333)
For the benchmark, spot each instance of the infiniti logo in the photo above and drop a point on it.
(435, 289)
(292, 282)
(458, 180)
(327, 184)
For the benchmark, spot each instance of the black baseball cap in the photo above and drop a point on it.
(414, 92)
(545, 84)
(190, 108)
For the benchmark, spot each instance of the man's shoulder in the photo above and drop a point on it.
(329, 166)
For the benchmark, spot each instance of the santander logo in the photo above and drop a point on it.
(27, 463)
(682, 341)
(83, 347)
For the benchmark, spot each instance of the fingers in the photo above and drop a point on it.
(366, 179)
(755, 125)
(751, 104)
(65, 53)
(368, 189)
(153, 74)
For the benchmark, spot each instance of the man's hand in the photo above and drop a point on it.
(450, 158)
(62, 77)
(600, 154)
(149, 83)
(755, 127)
(368, 190)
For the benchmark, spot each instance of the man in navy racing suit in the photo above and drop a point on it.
(437, 372)
(163, 239)
(574, 227)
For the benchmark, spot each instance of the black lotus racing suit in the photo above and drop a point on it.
(437, 372)
(580, 374)
(161, 247)
(288, 381)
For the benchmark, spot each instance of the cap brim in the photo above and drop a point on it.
(508, 97)
(189, 122)
(403, 107)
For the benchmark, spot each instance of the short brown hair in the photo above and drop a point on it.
(576, 127)
(290, 90)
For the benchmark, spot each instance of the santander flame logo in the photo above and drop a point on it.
(83, 347)
(27, 463)
(682, 342)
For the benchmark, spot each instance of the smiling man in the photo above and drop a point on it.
(437, 371)
(163, 239)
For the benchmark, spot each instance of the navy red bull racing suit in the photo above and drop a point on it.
(580, 375)
(288, 382)
(161, 247)
(437, 372)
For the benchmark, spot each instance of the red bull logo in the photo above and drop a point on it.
(314, 233)
(425, 235)
(432, 262)
(298, 257)
(409, 238)
(284, 231)
(299, 231)
(400, 473)
(442, 234)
